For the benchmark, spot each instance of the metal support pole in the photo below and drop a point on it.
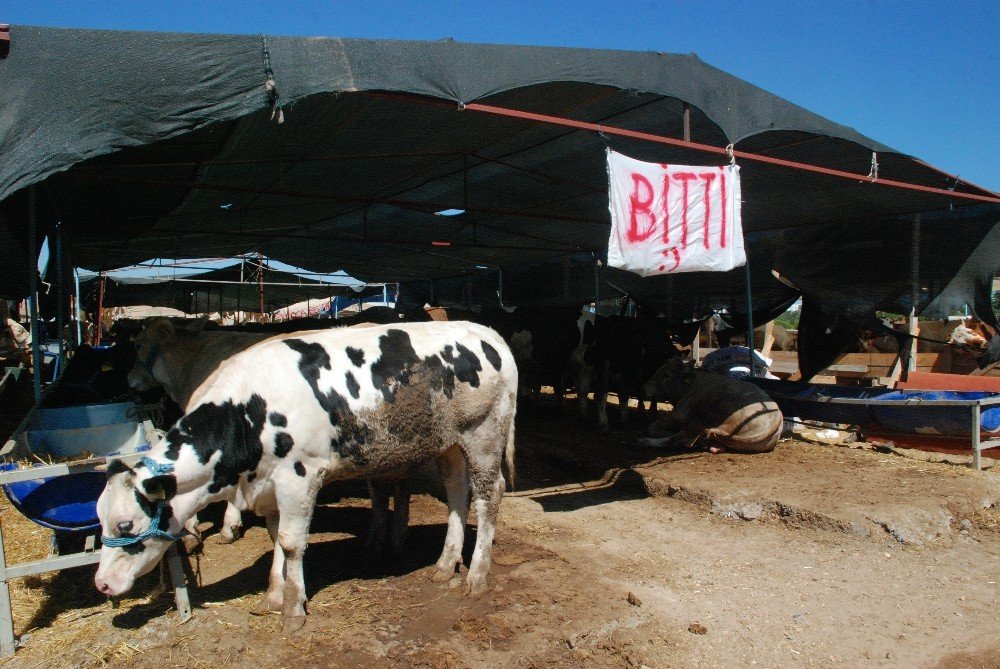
(36, 343)
(100, 308)
(500, 286)
(260, 282)
(746, 279)
(60, 299)
(239, 292)
(6, 618)
(179, 581)
(976, 450)
(687, 122)
(597, 283)
(911, 363)
(79, 311)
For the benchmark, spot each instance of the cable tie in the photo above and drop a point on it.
(731, 153)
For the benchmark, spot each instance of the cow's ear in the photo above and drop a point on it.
(159, 330)
(160, 487)
(116, 467)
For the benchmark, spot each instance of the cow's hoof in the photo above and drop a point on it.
(443, 575)
(267, 605)
(228, 535)
(476, 589)
(293, 624)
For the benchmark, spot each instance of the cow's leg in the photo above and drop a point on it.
(295, 510)
(232, 523)
(453, 469)
(276, 579)
(192, 540)
(487, 487)
(379, 493)
(651, 409)
(623, 398)
(400, 515)
(582, 388)
(601, 397)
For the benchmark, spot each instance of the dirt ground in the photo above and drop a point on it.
(607, 555)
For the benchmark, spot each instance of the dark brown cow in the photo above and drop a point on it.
(730, 414)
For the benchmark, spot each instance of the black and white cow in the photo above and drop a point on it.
(285, 416)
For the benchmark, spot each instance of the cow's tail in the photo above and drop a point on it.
(509, 454)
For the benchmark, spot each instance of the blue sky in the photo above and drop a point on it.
(920, 76)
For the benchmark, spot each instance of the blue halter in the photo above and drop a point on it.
(154, 531)
(147, 362)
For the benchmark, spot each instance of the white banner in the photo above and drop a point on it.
(667, 219)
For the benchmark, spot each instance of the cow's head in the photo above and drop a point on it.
(671, 380)
(148, 372)
(135, 511)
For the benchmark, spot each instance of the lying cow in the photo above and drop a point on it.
(732, 415)
(282, 418)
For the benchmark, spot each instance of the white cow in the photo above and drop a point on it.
(282, 418)
(181, 358)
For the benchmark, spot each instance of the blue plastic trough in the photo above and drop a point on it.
(69, 502)
(923, 412)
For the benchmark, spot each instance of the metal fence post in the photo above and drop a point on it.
(6, 617)
(975, 436)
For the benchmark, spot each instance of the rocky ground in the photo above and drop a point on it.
(607, 555)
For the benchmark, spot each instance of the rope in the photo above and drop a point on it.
(154, 532)
(273, 96)
(157, 468)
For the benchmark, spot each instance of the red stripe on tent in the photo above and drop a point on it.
(595, 127)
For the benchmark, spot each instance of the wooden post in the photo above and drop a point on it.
(765, 349)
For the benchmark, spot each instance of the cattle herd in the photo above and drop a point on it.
(262, 415)
(267, 414)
